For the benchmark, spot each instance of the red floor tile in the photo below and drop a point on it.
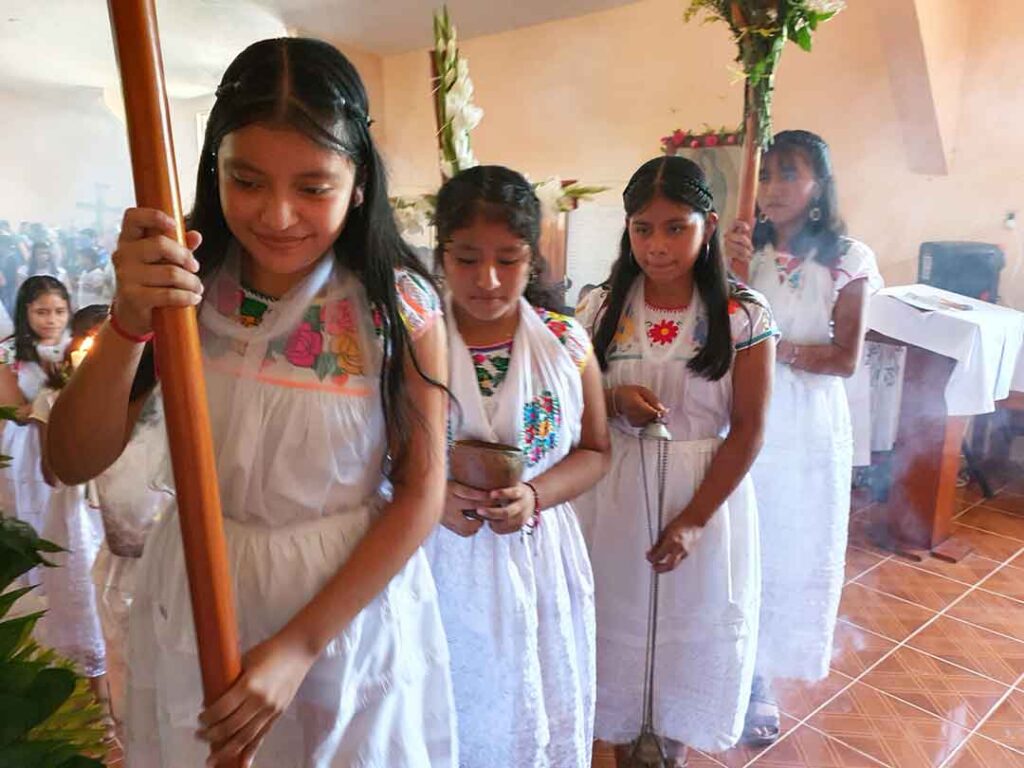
(970, 570)
(913, 585)
(860, 560)
(1006, 724)
(980, 752)
(994, 521)
(949, 692)
(976, 649)
(854, 650)
(809, 748)
(887, 729)
(799, 699)
(991, 611)
(1008, 581)
(988, 544)
(880, 613)
(1007, 502)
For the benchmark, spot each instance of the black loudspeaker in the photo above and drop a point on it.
(970, 269)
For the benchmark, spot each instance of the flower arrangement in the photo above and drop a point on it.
(457, 115)
(760, 29)
(709, 137)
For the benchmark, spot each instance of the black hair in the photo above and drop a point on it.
(496, 193)
(88, 319)
(309, 86)
(47, 246)
(824, 235)
(33, 288)
(680, 181)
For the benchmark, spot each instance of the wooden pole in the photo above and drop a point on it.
(137, 44)
(746, 201)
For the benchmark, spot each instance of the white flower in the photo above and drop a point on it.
(549, 192)
(466, 119)
(825, 6)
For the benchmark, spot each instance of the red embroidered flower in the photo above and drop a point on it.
(558, 328)
(664, 332)
(733, 306)
(338, 317)
(304, 346)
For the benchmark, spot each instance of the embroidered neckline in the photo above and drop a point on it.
(253, 306)
(664, 310)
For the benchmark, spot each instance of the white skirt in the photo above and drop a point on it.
(23, 491)
(519, 614)
(72, 621)
(802, 478)
(708, 606)
(379, 695)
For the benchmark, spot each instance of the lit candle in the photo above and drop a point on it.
(78, 355)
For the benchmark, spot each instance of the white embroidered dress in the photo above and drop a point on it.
(519, 609)
(72, 622)
(23, 492)
(299, 438)
(708, 606)
(803, 474)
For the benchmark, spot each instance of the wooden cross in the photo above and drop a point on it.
(100, 207)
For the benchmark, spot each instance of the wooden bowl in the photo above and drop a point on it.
(486, 466)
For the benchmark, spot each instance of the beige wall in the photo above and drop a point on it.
(589, 98)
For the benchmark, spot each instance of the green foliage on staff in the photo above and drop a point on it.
(760, 29)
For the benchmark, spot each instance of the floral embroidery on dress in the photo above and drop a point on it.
(570, 333)
(788, 268)
(491, 364)
(663, 332)
(542, 418)
(624, 333)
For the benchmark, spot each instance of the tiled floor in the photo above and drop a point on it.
(928, 664)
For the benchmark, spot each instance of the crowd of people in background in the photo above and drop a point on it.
(78, 258)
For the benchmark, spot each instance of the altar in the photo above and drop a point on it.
(962, 356)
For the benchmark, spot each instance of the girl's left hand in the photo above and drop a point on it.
(676, 542)
(236, 723)
(785, 352)
(513, 508)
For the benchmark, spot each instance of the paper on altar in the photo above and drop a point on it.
(985, 341)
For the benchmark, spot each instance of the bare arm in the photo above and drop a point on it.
(93, 418)
(752, 385)
(841, 356)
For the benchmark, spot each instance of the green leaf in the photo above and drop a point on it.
(312, 316)
(802, 37)
(325, 365)
(8, 599)
(38, 754)
(14, 631)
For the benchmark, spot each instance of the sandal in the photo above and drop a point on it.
(762, 722)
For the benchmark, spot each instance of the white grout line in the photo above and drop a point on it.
(978, 727)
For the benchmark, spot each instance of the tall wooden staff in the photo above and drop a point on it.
(137, 43)
(760, 29)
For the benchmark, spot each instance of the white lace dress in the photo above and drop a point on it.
(299, 439)
(803, 473)
(708, 606)
(518, 609)
(23, 492)
(72, 621)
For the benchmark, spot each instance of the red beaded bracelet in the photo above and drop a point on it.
(120, 331)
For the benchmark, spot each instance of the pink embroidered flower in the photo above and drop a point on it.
(479, 359)
(304, 346)
(664, 332)
(338, 317)
(229, 297)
